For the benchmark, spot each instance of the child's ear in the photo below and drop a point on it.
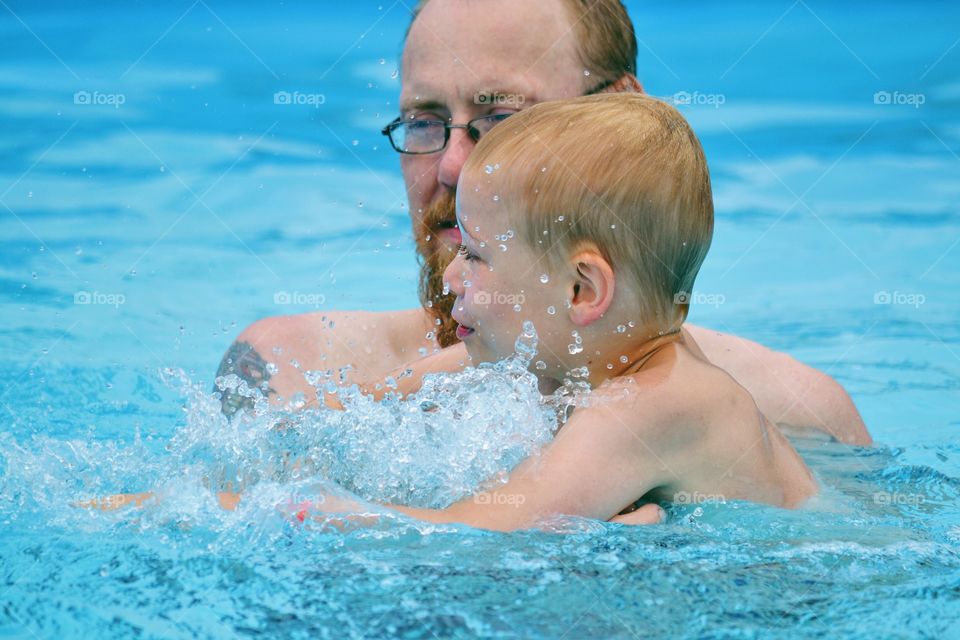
(593, 286)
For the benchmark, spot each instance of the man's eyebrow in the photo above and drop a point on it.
(423, 105)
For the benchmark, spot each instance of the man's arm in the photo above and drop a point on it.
(243, 359)
(796, 397)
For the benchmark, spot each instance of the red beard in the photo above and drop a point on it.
(434, 256)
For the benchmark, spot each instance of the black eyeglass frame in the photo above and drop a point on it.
(469, 126)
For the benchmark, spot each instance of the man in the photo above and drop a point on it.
(467, 65)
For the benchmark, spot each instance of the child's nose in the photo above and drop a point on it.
(454, 275)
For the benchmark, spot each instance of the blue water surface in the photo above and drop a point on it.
(155, 199)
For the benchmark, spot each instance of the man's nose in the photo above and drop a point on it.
(454, 275)
(454, 156)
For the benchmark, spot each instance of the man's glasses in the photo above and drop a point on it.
(429, 136)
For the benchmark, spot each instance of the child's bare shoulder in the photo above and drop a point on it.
(685, 397)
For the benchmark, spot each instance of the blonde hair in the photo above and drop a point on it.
(606, 42)
(620, 172)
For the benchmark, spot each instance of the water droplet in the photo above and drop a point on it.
(360, 204)
(621, 328)
(544, 278)
(517, 308)
(540, 365)
(396, 72)
(488, 169)
(355, 142)
(586, 72)
(429, 335)
(624, 359)
(609, 366)
(576, 346)
(631, 324)
(543, 169)
(382, 61)
(552, 310)
(503, 247)
(467, 284)
(559, 218)
(496, 198)
(613, 226)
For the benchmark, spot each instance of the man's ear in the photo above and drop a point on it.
(593, 287)
(627, 83)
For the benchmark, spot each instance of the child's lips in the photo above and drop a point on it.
(463, 332)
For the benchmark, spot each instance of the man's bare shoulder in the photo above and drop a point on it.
(272, 353)
(315, 337)
(795, 396)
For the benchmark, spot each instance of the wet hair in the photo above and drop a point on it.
(606, 42)
(619, 173)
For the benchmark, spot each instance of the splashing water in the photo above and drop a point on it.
(460, 433)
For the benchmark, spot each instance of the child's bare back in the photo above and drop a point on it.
(698, 433)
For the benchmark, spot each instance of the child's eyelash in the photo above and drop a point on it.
(463, 251)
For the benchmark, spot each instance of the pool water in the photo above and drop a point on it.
(156, 199)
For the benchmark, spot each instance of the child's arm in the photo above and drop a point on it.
(598, 464)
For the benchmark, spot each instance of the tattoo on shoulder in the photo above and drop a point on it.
(244, 361)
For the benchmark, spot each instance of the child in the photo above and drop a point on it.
(590, 218)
